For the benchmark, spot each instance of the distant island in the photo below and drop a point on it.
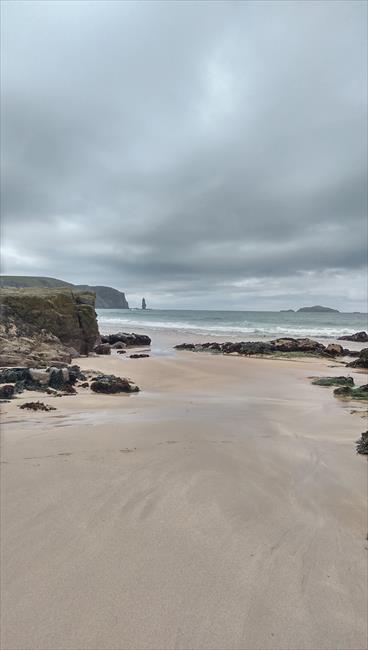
(316, 308)
(286, 311)
(106, 297)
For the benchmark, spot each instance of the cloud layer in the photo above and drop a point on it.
(200, 153)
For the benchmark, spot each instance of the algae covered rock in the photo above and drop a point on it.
(362, 444)
(333, 381)
(359, 393)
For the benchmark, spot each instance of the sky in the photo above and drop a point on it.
(203, 154)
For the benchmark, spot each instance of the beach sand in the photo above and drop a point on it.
(221, 507)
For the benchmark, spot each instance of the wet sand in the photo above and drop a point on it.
(221, 507)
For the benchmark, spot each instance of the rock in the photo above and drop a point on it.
(335, 350)
(42, 325)
(144, 304)
(297, 345)
(13, 375)
(360, 337)
(361, 361)
(110, 384)
(360, 392)
(37, 406)
(58, 377)
(84, 384)
(138, 356)
(130, 340)
(362, 444)
(333, 381)
(102, 348)
(184, 346)
(6, 391)
(121, 352)
(119, 345)
(39, 376)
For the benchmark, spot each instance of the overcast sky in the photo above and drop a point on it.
(203, 154)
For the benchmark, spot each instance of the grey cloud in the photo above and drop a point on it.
(190, 145)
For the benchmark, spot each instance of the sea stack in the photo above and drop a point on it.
(144, 306)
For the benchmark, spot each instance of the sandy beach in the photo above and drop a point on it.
(221, 507)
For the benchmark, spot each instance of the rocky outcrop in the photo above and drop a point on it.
(360, 337)
(130, 340)
(106, 297)
(318, 308)
(144, 305)
(39, 326)
(41, 379)
(285, 345)
(349, 392)
(361, 361)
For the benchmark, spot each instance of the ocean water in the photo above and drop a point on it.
(255, 324)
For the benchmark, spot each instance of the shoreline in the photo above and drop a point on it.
(222, 506)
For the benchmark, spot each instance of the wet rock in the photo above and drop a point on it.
(102, 348)
(297, 345)
(6, 391)
(333, 381)
(37, 406)
(130, 340)
(111, 384)
(361, 361)
(119, 345)
(58, 377)
(121, 352)
(138, 356)
(360, 337)
(84, 384)
(184, 346)
(359, 393)
(13, 375)
(362, 444)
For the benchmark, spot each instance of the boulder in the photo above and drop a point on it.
(288, 344)
(138, 356)
(360, 337)
(119, 345)
(37, 406)
(6, 391)
(361, 361)
(184, 346)
(335, 350)
(102, 348)
(359, 393)
(111, 384)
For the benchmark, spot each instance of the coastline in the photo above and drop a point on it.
(222, 506)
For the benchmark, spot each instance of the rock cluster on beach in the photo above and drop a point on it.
(60, 381)
(286, 344)
(120, 341)
(361, 361)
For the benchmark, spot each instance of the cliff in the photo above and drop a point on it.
(106, 297)
(43, 325)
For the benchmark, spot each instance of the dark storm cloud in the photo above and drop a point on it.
(192, 150)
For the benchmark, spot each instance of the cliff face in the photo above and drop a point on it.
(106, 297)
(40, 325)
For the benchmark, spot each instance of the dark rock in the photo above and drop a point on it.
(184, 346)
(6, 391)
(102, 348)
(130, 340)
(84, 384)
(288, 344)
(333, 381)
(58, 378)
(361, 361)
(12, 375)
(362, 444)
(37, 406)
(110, 384)
(138, 356)
(360, 337)
(104, 338)
(119, 345)
(120, 351)
(359, 393)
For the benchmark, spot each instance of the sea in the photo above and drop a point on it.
(250, 324)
